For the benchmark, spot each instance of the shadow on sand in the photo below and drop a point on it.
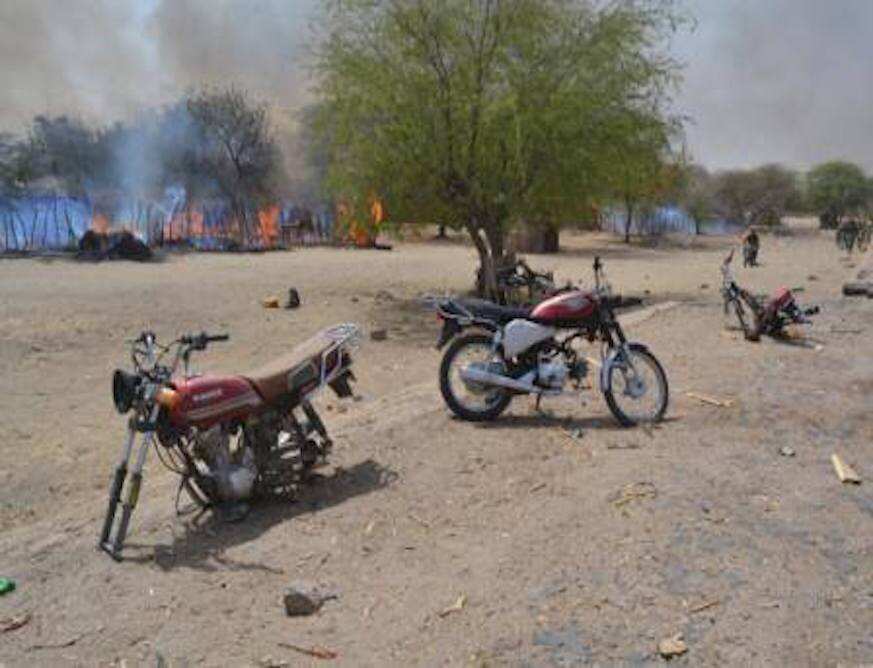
(205, 538)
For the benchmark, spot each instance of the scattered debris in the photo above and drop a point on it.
(302, 599)
(786, 451)
(704, 286)
(632, 492)
(623, 446)
(270, 302)
(537, 487)
(12, 623)
(707, 399)
(863, 289)
(97, 246)
(845, 472)
(314, 651)
(575, 433)
(705, 606)
(6, 585)
(812, 277)
(457, 606)
(293, 298)
(670, 647)
(60, 645)
(384, 295)
(379, 334)
(422, 522)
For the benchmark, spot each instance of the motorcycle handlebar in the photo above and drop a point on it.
(199, 341)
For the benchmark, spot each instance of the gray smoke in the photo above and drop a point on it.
(773, 80)
(107, 60)
(779, 81)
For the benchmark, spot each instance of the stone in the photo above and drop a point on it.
(302, 599)
(293, 298)
(670, 647)
(379, 334)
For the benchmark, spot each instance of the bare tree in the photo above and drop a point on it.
(237, 149)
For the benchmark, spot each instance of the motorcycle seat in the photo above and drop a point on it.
(294, 373)
(494, 312)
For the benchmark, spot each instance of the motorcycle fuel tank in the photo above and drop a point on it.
(565, 309)
(206, 400)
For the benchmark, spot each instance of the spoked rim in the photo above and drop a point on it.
(639, 389)
(472, 396)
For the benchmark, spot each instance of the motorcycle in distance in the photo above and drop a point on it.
(512, 351)
(760, 314)
(229, 438)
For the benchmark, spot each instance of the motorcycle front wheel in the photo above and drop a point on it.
(470, 401)
(747, 319)
(637, 390)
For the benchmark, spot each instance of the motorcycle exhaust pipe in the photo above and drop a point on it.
(488, 378)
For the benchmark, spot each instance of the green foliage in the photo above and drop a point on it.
(755, 196)
(836, 189)
(697, 194)
(476, 113)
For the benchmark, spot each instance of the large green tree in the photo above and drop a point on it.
(836, 189)
(478, 113)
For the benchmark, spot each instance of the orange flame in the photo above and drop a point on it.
(100, 223)
(268, 221)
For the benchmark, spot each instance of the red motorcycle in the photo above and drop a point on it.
(760, 314)
(229, 438)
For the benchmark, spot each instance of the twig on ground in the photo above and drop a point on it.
(705, 606)
(707, 399)
(315, 651)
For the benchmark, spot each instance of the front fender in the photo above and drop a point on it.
(610, 361)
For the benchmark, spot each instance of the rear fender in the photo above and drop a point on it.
(611, 360)
(452, 327)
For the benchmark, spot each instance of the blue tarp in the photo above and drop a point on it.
(49, 222)
(45, 222)
(666, 219)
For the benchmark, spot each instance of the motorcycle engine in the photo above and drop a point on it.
(552, 374)
(234, 472)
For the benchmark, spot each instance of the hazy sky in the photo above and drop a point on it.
(766, 80)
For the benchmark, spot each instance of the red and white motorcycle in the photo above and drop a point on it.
(513, 351)
(229, 438)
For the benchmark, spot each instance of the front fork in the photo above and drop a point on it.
(108, 544)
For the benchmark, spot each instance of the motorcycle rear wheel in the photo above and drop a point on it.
(494, 401)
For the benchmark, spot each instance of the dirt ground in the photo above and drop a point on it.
(568, 539)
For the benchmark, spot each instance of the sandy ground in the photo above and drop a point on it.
(755, 558)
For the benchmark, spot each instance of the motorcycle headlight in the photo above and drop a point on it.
(124, 387)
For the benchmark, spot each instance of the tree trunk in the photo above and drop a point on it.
(630, 218)
(441, 234)
(488, 241)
